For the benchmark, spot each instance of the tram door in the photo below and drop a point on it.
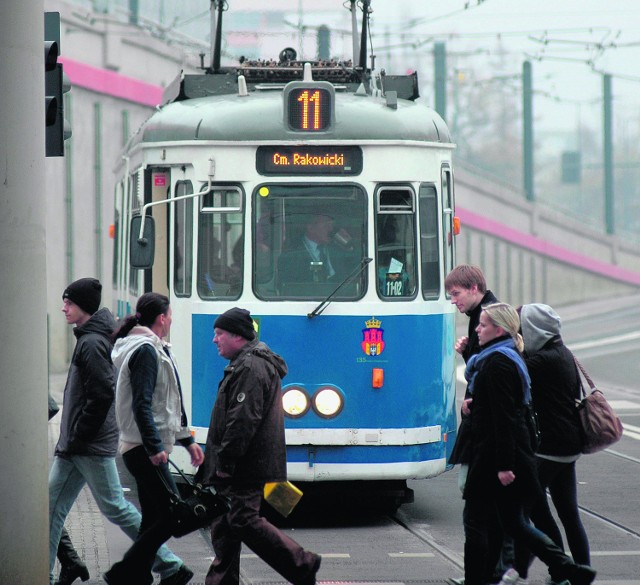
(157, 182)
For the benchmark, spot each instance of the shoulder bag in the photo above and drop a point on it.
(197, 509)
(601, 427)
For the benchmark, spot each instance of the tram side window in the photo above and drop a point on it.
(220, 244)
(429, 241)
(396, 243)
(183, 240)
(447, 220)
(308, 241)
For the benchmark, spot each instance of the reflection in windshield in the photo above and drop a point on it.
(308, 239)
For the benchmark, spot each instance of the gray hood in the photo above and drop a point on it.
(540, 323)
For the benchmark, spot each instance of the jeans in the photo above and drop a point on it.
(68, 476)
(155, 528)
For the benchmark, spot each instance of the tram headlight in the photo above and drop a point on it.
(295, 402)
(327, 402)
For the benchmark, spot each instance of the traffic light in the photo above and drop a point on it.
(56, 85)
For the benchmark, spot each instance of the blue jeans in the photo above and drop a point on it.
(68, 476)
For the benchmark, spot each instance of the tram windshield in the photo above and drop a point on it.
(307, 240)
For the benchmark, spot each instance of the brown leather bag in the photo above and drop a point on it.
(601, 427)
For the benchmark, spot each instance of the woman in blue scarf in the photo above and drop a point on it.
(502, 472)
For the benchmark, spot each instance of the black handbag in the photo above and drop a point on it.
(195, 510)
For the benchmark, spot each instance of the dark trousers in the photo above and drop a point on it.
(479, 556)
(243, 523)
(560, 479)
(155, 527)
(67, 554)
(484, 525)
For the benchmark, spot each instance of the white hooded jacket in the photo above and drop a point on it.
(166, 404)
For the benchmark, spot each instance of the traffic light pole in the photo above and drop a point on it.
(24, 509)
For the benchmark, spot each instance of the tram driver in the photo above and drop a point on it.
(319, 255)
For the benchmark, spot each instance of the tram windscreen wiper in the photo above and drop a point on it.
(355, 272)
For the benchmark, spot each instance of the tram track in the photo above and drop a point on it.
(454, 558)
(457, 560)
(601, 517)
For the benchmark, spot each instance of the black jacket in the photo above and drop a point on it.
(555, 387)
(460, 451)
(88, 425)
(498, 433)
(246, 433)
(473, 346)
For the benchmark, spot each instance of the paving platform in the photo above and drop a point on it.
(100, 543)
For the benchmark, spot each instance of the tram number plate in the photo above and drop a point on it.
(309, 160)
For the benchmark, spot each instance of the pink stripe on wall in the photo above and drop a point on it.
(112, 83)
(529, 242)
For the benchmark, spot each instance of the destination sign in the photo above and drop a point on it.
(309, 160)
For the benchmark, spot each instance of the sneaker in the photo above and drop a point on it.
(511, 577)
(181, 577)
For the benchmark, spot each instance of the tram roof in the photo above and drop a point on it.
(259, 117)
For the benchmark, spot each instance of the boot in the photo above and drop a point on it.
(72, 565)
(69, 573)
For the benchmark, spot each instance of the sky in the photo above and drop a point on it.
(570, 44)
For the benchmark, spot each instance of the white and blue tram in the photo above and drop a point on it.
(220, 185)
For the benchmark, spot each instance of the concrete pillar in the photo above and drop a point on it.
(24, 510)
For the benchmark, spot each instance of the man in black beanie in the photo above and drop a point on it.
(86, 449)
(246, 449)
(86, 293)
(236, 321)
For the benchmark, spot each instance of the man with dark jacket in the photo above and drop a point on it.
(86, 449)
(467, 287)
(246, 449)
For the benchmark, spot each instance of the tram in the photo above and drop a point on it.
(221, 196)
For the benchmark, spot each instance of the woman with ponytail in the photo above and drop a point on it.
(502, 475)
(151, 419)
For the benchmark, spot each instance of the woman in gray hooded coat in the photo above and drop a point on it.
(555, 386)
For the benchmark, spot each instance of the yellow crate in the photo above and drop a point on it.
(283, 496)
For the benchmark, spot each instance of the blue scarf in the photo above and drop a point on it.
(506, 347)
